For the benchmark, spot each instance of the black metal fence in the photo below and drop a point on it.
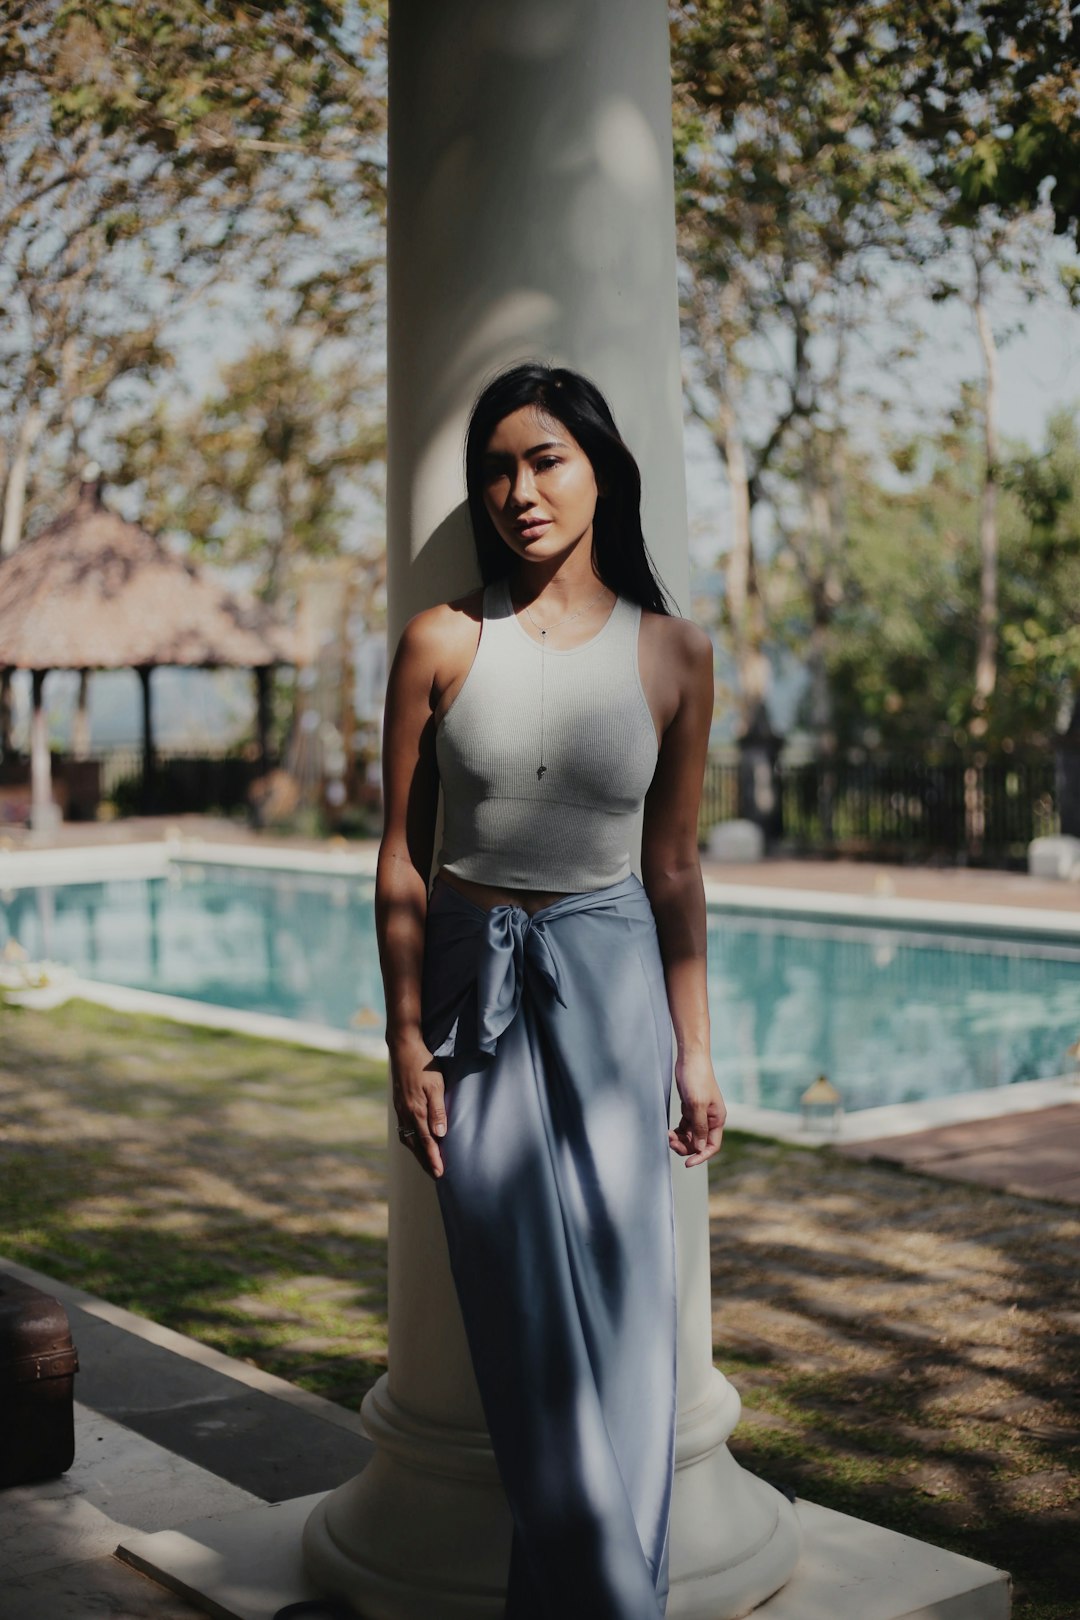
(185, 781)
(892, 808)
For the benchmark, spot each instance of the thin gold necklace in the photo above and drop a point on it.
(541, 769)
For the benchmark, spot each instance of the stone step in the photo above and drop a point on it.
(246, 1565)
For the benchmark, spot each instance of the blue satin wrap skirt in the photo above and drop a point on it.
(554, 1037)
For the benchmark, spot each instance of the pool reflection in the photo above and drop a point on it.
(298, 945)
(890, 1015)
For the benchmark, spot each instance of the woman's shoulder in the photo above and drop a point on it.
(677, 638)
(461, 616)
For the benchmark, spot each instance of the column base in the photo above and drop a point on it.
(735, 1540)
(424, 1532)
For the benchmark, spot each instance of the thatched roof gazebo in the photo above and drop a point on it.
(92, 591)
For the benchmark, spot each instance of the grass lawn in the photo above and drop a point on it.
(906, 1348)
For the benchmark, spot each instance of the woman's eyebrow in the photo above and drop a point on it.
(534, 450)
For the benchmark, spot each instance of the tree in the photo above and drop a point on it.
(149, 154)
(258, 472)
(146, 155)
(901, 653)
(817, 146)
(794, 187)
(995, 112)
(994, 89)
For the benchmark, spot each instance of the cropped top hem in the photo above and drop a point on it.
(569, 880)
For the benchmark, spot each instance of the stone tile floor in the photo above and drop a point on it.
(1036, 1155)
(167, 1431)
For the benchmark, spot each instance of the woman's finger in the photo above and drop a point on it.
(698, 1135)
(711, 1148)
(424, 1145)
(415, 1133)
(436, 1110)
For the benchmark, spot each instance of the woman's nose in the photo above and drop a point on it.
(522, 489)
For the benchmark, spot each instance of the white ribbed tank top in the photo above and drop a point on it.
(570, 829)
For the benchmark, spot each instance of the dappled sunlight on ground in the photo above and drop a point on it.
(905, 1347)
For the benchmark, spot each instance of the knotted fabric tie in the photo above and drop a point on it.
(514, 945)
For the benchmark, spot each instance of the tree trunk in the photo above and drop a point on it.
(745, 612)
(986, 646)
(15, 487)
(821, 572)
(759, 798)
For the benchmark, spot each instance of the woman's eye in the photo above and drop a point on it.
(545, 462)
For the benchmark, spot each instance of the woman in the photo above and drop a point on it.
(531, 998)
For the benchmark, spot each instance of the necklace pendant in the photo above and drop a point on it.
(540, 769)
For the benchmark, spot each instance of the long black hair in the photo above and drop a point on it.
(620, 554)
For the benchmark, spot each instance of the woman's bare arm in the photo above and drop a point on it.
(671, 873)
(410, 796)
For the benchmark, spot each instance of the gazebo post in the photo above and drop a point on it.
(262, 714)
(41, 799)
(149, 771)
(5, 711)
(80, 724)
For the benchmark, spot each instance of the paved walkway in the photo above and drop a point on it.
(166, 1431)
(1036, 1155)
(967, 885)
(964, 885)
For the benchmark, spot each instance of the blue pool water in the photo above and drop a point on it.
(890, 1014)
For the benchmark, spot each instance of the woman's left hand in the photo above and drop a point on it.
(698, 1134)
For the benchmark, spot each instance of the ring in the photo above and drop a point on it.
(404, 1132)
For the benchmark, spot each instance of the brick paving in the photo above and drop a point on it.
(964, 885)
(1035, 1155)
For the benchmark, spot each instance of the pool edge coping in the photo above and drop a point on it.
(23, 867)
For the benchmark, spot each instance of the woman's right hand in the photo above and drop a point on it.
(419, 1102)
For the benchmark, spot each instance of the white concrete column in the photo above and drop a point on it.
(531, 215)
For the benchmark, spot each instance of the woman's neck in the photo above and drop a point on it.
(557, 592)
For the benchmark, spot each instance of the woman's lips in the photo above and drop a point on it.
(535, 526)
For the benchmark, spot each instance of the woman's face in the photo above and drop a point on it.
(539, 486)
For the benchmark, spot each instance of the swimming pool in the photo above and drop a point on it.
(892, 1011)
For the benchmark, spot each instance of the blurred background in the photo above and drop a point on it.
(880, 291)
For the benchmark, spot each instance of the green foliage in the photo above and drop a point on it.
(995, 99)
(257, 473)
(819, 151)
(902, 645)
(149, 155)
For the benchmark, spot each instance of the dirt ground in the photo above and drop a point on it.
(906, 1348)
